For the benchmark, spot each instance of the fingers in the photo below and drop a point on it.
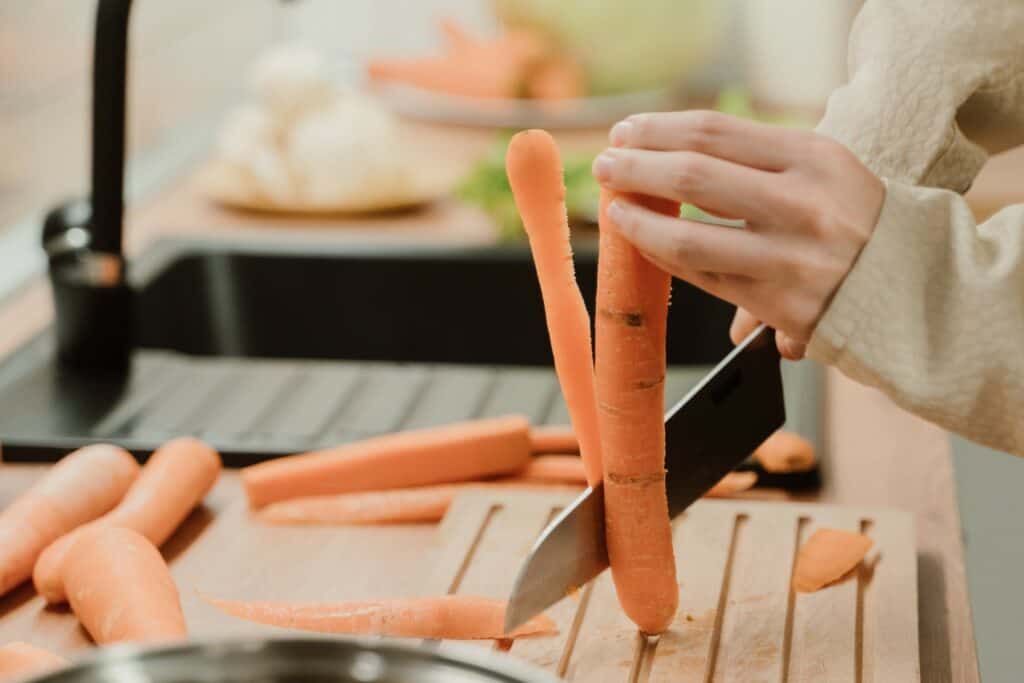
(720, 187)
(743, 323)
(770, 148)
(690, 246)
(790, 348)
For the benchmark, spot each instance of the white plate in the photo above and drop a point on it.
(582, 112)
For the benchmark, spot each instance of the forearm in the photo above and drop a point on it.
(933, 314)
(915, 67)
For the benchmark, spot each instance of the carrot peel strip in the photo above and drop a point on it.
(827, 556)
(450, 617)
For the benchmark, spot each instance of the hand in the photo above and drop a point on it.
(809, 205)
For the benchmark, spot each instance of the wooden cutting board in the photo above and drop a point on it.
(737, 619)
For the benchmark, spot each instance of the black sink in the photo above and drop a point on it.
(274, 348)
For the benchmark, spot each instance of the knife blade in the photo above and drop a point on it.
(709, 432)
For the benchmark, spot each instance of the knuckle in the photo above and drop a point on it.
(687, 176)
(704, 128)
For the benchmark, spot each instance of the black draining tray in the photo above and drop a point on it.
(237, 348)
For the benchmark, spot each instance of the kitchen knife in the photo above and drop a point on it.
(714, 428)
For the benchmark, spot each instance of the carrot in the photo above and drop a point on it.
(560, 78)
(632, 310)
(534, 170)
(826, 557)
(458, 40)
(121, 589)
(555, 439)
(175, 479)
(555, 468)
(785, 452)
(457, 452)
(421, 505)
(731, 484)
(79, 488)
(450, 617)
(19, 659)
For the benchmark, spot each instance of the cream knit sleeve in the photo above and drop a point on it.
(933, 310)
(927, 76)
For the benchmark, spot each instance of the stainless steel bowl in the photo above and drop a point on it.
(299, 661)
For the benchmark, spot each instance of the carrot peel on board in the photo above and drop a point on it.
(463, 451)
(174, 480)
(785, 452)
(79, 488)
(731, 484)
(450, 617)
(827, 556)
(632, 312)
(535, 174)
(20, 659)
(423, 504)
(120, 588)
(553, 440)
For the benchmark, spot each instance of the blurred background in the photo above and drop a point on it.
(385, 120)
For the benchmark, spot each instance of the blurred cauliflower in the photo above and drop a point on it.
(303, 142)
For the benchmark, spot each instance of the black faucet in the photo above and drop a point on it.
(93, 303)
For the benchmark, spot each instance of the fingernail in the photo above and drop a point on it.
(616, 211)
(621, 133)
(602, 168)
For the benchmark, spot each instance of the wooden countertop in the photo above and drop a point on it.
(880, 455)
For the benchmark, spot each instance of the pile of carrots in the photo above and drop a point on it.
(517, 63)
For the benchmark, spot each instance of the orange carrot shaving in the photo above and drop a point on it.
(19, 659)
(420, 505)
(458, 452)
(827, 556)
(175, 479)
(731, 484)
(81, 486)
(554, 439)
(632, 311)
(534, 169)
(451, 617)
(121, 589)
(785, 452)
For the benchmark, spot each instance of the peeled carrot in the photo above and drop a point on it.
(19, 659)
(555, 439)
(420, 505)
(121, 589)
(81, 486)
(785, 452)
(175, 479)
(826, 557)
(555, 468)
(632, 310)
(450, 617)
(534, 169)
(458, 452)
(731, 484)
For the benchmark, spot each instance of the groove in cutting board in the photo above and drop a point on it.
(824, 640)
(738, 619)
